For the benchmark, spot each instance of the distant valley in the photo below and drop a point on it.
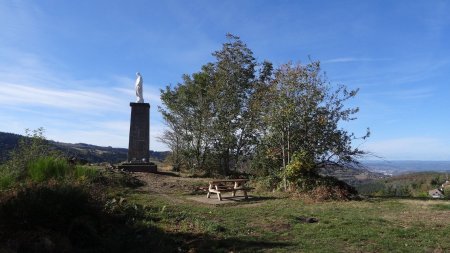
(404, 167)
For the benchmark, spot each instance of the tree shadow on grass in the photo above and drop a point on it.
(69, 219)
(379, 198)
(250, 199)
(167, 173)
(206, 243)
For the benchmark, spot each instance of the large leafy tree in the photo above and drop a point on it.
(234, 86)
(305, 119)
(187, 114)
(213, 116)
(236, 110)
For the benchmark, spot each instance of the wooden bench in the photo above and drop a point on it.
(228, 185)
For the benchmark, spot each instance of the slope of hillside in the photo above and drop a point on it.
(406, 185)
(7, 143)
(82, 151)
(405, 167)
(353, 176)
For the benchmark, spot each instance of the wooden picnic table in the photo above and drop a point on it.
(228, 185)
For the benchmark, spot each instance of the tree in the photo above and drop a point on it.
(304, 119)
(236, 111)
(214, 115)
(234, 86)
(187, 113)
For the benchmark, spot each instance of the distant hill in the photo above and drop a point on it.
(404, 167)
(353, 176)
(8, 142)
(415, 184)
(88, 152)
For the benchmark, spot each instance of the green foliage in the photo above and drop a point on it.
(213, 115)
(238, 114)
(83, 173)
(302, 164)
(447, 192)
(442, 207)
(7, 179)
(30, 148)
(270, 182)
(34, 160)
(407, 185)
(47, 168)
(304, 116)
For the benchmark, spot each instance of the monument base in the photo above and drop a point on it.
(139, 167)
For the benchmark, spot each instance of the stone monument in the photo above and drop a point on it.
(139, 139)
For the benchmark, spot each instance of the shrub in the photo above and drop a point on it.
(30, 147)
(447, 192)
(83, 173)
(7, 179)
(46, 168)
(301, 164)
(270, 182)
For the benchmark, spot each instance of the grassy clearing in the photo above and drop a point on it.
(127, 217)
(374, 225)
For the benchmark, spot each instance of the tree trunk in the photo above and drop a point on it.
(284, 160)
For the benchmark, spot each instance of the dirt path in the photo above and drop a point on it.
(165, 182)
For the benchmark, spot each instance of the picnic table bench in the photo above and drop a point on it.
(228, 185)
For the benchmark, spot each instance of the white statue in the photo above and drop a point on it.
(139, 88)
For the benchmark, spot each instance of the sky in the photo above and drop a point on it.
(69, 66)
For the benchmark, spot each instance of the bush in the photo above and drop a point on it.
(7, 179)
(301, 164)
(30, 148)
(46, 168)
(447, 192)
(83, 173)
(268, 183)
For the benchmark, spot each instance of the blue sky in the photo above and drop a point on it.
(69, 66)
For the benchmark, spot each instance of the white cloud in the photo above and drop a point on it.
(35, 93)
(16, 94)
(353, 59)
(405, 94)
(416, 93)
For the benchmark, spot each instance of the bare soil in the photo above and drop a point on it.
(167, 182)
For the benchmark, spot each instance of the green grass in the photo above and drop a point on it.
(127, 219)
(47, 168)
(83, 173)
(7, 179)
(442, 206)
(374, 225)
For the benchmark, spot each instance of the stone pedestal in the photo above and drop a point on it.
(139, 140)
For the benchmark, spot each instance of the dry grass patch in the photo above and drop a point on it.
(419, 212)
